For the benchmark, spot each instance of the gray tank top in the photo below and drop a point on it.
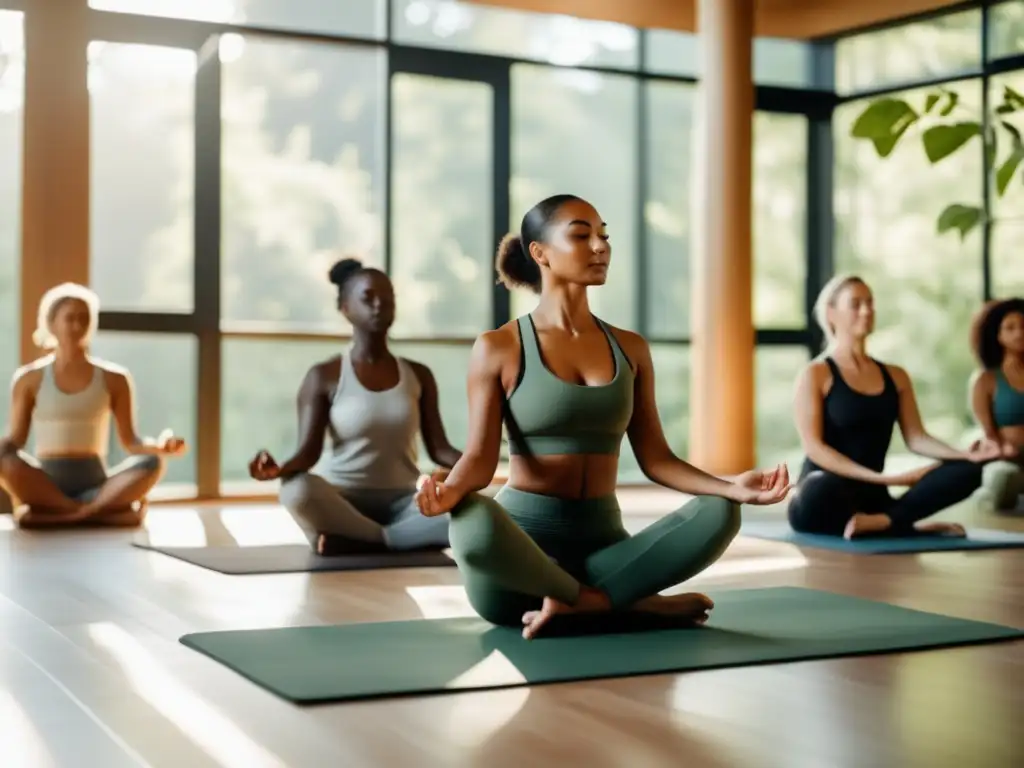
(373, 434)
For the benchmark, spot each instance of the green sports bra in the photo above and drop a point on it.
(547, 416)
(1007, 403)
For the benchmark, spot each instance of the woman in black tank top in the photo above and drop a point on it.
(847, 405)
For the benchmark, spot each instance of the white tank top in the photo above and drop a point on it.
(72, 424)
(373, 434)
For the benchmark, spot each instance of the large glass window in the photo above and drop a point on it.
(142, 157)
(266, 416)
(672, 394)
(12, 80)
(926, 286)
(1010, 203)
(776, 370)
(562, 40)
(669, 122)
(163, 368)
(780, 220)
(1006, 259)
(777, 61)
(934, 47)
(1006, 29)
(442, 231)
(303, 162)
(364, 18)
(575, 132)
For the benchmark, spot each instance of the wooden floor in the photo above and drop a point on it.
(91, 673)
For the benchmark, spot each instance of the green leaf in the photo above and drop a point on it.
(883, 122)
(1009, 167)
(1006, 109)
(931, 101)
(954, 99)
(941, 141)
(1010, 96)
(963, 218)
(1013, 131)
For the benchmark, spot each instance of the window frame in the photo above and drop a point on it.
(816, 102)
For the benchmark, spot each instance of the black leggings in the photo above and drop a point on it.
(824, 502)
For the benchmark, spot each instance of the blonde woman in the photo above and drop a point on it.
(67, 398)
(847, 404)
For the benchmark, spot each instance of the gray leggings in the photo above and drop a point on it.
(387, 517)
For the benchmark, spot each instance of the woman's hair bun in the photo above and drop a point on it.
(343, 270)
(515, 267)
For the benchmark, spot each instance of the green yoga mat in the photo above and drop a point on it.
(756, 626)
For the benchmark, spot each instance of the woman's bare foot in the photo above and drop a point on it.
(943, 529)
(864, 523)
(691, 606)
(590, 600)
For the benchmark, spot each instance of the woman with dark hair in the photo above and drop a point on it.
(568, 387)
(373, 406)
(997, 399)
(847, 406)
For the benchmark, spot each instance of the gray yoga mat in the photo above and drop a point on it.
(294, 558)
(977, 538)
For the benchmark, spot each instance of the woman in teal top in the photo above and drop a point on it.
(568, 387)
(997, 399)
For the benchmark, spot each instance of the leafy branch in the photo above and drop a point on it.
(886, 121)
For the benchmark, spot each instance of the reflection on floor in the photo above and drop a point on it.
(91, 672)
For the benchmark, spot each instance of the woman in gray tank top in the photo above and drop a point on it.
(372, 406)
(66, 399)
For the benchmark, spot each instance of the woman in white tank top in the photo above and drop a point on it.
(372, 406)
(66, 399)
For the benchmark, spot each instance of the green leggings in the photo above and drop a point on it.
(517, 548)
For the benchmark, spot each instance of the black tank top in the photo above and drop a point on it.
(859, 426)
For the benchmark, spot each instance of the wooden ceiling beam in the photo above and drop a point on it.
(797, 19)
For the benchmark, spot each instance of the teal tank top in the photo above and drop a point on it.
(546, 416)
(1007, 403)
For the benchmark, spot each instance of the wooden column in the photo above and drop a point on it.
(722, 355)
(55, 160)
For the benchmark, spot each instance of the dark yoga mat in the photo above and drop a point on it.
(294, 558)
(779, 530)
(755, 626)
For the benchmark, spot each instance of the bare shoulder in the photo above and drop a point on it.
(898, 374)
(323, 375)
(27, 378)
(817, 374)
(117, 377)
(983, 379)
(633, 345)
(495, 347)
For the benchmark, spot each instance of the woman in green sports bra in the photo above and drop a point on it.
(568, 387)
(997, 399)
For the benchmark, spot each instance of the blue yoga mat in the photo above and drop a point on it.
(779, 530)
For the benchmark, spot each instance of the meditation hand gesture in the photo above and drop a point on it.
(988, 450)
(263, 467)
(434, 497)
(758, 486)
(169, 445)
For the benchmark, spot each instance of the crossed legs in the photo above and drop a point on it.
(510, 579)
(338, 522)
(828, 504)
(114, 498)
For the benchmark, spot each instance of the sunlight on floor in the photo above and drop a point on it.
(441, 602)
(254, 528)
(205, 726)
(747, 565)
(22, 742)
